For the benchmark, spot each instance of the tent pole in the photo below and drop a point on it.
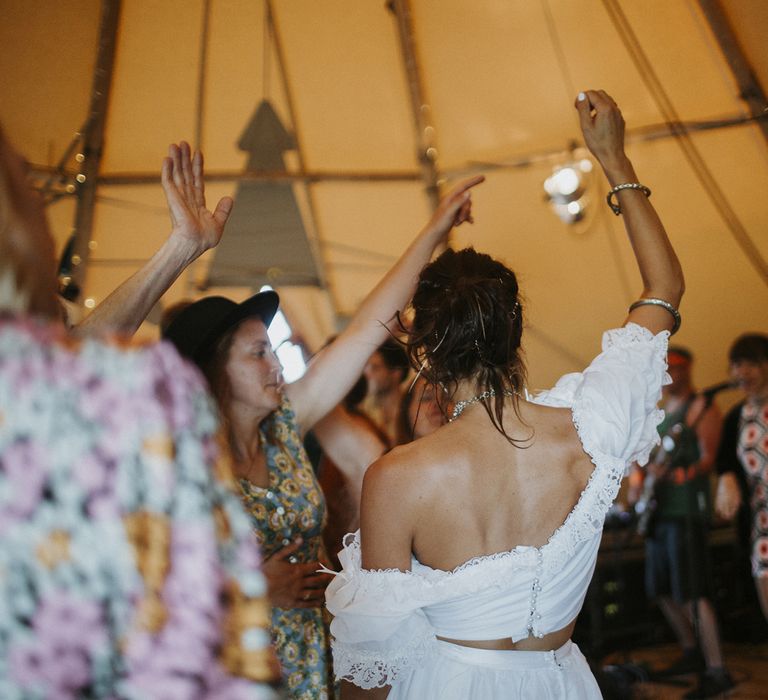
(691, 153)
(750, 89)
(201, 77)
(312, 235)
(420, 108)
(93, 138)
(652, 132)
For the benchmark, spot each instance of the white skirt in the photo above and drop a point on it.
(464, 673)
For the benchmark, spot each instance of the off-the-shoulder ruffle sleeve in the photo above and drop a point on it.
(615, 399)
(379, 630)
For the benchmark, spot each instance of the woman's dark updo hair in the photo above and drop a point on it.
(467, 324)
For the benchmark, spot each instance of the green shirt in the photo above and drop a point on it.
(675, 500)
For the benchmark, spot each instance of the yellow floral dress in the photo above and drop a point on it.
(292, 506)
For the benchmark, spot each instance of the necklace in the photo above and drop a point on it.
(458, 409)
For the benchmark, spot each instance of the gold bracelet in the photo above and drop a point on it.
(615, 207)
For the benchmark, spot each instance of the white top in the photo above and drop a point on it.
(385, 621)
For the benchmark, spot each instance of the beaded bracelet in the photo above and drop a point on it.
(652, 301)
(615, 207)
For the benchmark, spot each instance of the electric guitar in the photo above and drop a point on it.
(646, 505)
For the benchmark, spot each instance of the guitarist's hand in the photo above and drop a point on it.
(658, 470)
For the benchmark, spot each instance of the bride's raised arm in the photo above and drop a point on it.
(663, 284)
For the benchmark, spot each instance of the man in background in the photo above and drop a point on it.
(385, 372)
(676, 561)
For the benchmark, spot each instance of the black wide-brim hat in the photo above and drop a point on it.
(198, 327)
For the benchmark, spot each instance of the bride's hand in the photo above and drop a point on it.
(602, 126)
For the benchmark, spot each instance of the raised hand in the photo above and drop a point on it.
(602, 126)
(184, 187)
(454, 208)
(294, 585)
(603, 129)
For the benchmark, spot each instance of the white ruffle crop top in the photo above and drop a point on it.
(386, 621)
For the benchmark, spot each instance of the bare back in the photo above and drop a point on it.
(476, 494)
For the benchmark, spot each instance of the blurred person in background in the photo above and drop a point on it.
(385, 371)
(130, 568)
(356, 442)
(420, 413)
(676, 516)
(742, 460)
(351, 441)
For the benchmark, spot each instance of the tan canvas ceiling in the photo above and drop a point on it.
(498, 78)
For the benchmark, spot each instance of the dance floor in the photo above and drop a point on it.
(747, 663)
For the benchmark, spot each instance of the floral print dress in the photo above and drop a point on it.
(128, 568)
(752, 451)
(292, 506)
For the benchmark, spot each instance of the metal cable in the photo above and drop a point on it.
(558, 48)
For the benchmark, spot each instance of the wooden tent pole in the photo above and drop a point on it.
(93, 138)
(201, 75)
(691, 153)
(750, 89)
(420, 109)
(312, 230)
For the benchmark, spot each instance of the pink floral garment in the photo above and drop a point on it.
(127, 565)
(752, 451)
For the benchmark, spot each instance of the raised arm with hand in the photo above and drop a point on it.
(336, 368)
(603, 129)
(195, 230)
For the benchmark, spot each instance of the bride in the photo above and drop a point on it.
(478, 542)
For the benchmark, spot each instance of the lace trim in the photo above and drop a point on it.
(588, 515)
(630, 334)
(375, 669)
(522, 556)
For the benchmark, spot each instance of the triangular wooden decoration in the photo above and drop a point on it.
(265, 240)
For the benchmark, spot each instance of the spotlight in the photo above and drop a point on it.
(566, 190)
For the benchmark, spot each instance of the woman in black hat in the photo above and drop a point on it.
(266, 420)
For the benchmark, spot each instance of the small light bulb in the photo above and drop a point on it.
(566, 180)
(573, 208)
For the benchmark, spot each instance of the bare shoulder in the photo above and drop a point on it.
(397, 473)
(401, 480)
(553, 425)
(389, 511)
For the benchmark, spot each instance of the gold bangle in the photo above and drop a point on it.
(615, 207)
